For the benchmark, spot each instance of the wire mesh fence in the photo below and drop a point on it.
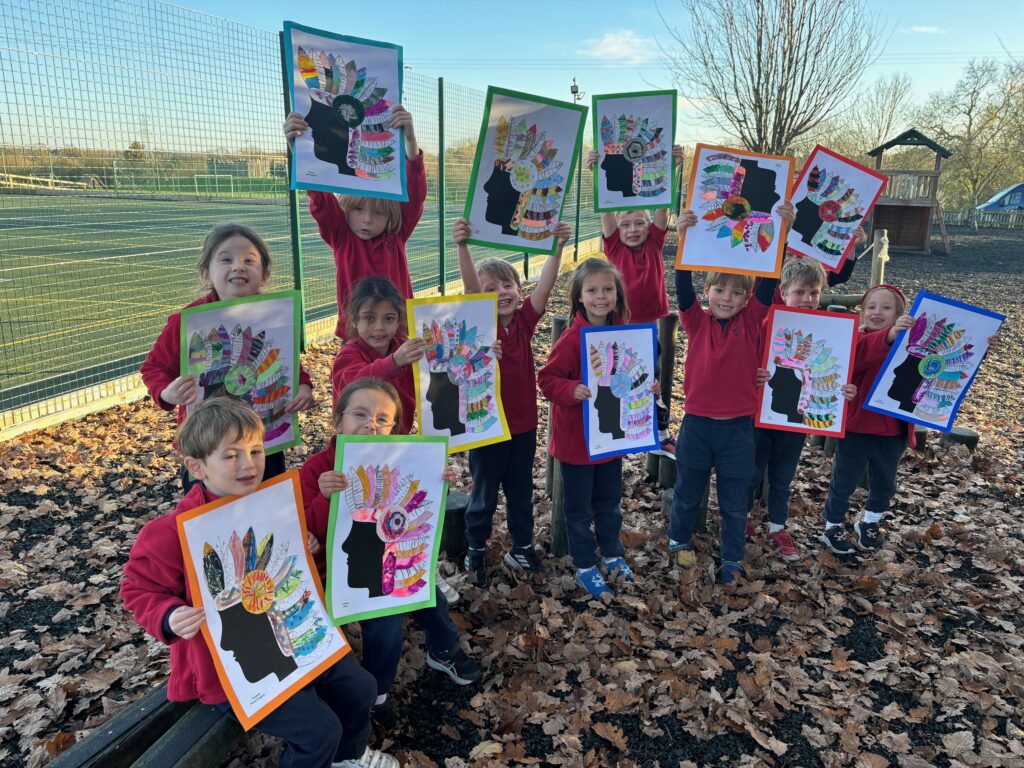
(130, 128)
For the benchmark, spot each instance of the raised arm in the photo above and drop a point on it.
(685, 295)
(549, 272)
(470, 277)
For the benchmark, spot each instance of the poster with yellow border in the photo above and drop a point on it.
(458, 384)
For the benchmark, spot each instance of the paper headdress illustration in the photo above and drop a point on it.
(245, 366)
(737, 198)
(267, 624)
(635, 162)
(929, 381)
(348, 116)
(524, 192)
(624, 397)
(462, 378)
(827, 217)
(388, 546)
(806, 384)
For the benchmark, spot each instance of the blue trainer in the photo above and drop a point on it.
(618, 568)
(592, 581)
(728, 572)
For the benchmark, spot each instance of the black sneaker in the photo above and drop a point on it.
(869, 538)
(523, 559)
(384, 715)
(837, 539)
(476, 567)
(456, 664)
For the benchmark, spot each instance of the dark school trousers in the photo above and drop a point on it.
(507, 465)
(659, 403)
(325, 722)
(776, 455)
(727, 446)
(881, 455)
(593, 520)
(272, 467)
(383, 640)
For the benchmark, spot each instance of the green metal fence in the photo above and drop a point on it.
(128, 130)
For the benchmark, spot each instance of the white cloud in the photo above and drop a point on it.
(925, 31)
(626, 46)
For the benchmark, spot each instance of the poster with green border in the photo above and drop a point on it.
(248, 348)
(384, 531)
(633, 138)
(522, 173)
(458, 379)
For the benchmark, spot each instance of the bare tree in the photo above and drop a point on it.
(769, 71)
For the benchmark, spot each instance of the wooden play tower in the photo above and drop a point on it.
(910, 199)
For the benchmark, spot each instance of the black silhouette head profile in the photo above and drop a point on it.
(785, 386)
(608, 413)
(906, 379)
(808, 220)
(250, 637)
(443, 396)
(619, 173)
(365, 552)
(758, 186)
(502, 200)
(330, 137)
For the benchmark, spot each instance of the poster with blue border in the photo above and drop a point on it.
(931, 366)
(618, 369)
(345, 88)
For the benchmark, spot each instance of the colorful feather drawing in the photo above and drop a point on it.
(621, 369)
(529, 158)
(820, 403)
(944, 361)
(839, 211)
(643, 146)
(729, 213)
(453, 348)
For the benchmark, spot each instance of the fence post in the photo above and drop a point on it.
(661, 468)
(442, 278)
(579, 187)
(553, 477)
(293, 207)
(879, 255)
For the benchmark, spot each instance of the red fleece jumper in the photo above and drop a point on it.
(518, 372)
(643, 274)
(356, 360)
(872, 349)
(317, 506)
(163, 363)
(154, 583)
(558, 379)
(383, 255)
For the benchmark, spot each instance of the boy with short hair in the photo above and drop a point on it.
(325, 724)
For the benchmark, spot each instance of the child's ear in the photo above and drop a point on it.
(196, 467)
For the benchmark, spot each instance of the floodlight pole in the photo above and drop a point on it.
(577, 95)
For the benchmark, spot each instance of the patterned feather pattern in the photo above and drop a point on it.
(728, 213)
(945, 359)
(644, 146)
(529, 159)
(818, 369)
(838, 207)
(623, 371)
(454, 348)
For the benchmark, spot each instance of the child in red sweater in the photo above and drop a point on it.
(368, 235)
(508, 464)
(234, 262)
(633, 242)
(373, 407)
(327, 723)
(592, 488)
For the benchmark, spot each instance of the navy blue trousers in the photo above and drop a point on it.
(593, 519)
(507, 465)
(776, 455)
(881, 455)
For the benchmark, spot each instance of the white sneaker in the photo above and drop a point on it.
(450, 593)
(372, 758)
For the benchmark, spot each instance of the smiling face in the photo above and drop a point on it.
(802, 295)
(880, 310)
(377, 324)
(366, 219)
(509, 295)
(368, 412)
(236, 269)
(634, 227)
(235, 468)
(726, 298)
(598, 297)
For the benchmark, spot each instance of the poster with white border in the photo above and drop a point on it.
(618, 368)
(266, 625)
(345, 88)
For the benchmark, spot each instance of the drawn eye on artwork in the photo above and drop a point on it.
(827, 217)
(524, 190)
(388, 547)
(737, 196)
(245, 366)
(623, 400)
(348, 116)
(269, 624)
(636, 162)
(461, 392)
(929, 381)
(806, 385)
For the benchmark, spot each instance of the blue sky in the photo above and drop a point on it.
(611, 47)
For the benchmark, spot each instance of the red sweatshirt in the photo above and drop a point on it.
(163, 363)
(356, 359)
(154, 583)
(643, 274)
(872, 349)
(384, 255)
(558, 379)
(316, 505)
(518, 372)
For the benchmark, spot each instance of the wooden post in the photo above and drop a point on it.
(553, 480)
(879, 255)
(668, 498)
(558, 324)
(657, 466)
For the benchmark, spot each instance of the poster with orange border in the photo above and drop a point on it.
(267, 626)
(736, 196)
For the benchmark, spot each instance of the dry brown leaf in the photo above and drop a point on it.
(611, 733)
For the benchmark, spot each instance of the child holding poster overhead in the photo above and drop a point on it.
(508, 464)
(234, 262)
(325, 724)
(368, 235)
(371, 406)
(633, 242)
